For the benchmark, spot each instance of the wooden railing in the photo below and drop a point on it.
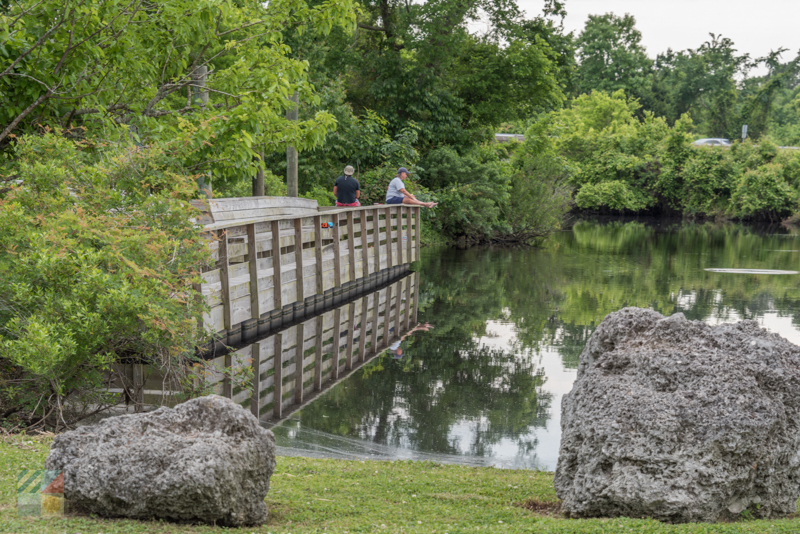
(277, 262)
(309, 257)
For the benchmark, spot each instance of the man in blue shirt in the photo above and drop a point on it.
(397, 193)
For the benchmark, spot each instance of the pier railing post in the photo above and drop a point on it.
(400, 235)
(252, 255)
(276, 267)
(318, 254)
(409, 240)
(351, 247)
(389, 263)
(376, 239)
(337, 252)
(417, 230)
(224, 279)
(365, 263)
(298, 258)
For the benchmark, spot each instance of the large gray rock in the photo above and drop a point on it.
(681, 421)
(205, 460)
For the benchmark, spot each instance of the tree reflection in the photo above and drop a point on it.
(452, 393)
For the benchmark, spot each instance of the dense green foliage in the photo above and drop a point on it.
(97, 258)
(117, 66)
(711, 82)
(617, 162)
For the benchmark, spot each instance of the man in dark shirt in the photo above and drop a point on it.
(347, 189)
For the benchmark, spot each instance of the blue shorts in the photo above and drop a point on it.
(395, 200)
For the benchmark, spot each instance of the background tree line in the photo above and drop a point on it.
(114, 114)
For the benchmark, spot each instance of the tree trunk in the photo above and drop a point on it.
(291, 154)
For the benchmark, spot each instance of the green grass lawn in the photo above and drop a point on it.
(352, 496)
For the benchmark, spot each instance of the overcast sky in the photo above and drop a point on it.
(755, 26)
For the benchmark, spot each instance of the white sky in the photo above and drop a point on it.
(755, 27)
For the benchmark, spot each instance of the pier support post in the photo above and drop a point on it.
(255, 362)
(387, 315)
(277, 392)
(351, 326)
(318, 354)
(227, 386)
(376, 303)
(298, 367)
(362, 335)
(337, 331)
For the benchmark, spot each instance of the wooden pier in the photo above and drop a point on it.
(313, 255)
(344, 294)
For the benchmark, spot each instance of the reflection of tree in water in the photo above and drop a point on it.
(449, 388)
(600, 268)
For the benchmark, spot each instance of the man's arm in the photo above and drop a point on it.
(334, 191)
(358, 194)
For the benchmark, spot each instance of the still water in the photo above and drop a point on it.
(483, 384)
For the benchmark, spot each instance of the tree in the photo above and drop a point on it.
(611, 57)
(420, 63)
(87, 64)
(705, 85)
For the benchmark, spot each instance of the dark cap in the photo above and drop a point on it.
(402, 169)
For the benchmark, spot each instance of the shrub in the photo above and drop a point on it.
(615, 195)
(763, 193)
(99, 256)
(708, 179)
(540, 197)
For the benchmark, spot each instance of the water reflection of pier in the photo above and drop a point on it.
(318, 352)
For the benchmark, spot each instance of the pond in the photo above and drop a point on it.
(483, 385)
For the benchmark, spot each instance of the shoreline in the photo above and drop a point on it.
(347, 496)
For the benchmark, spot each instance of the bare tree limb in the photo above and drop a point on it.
(24, 114)
(371, 28)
